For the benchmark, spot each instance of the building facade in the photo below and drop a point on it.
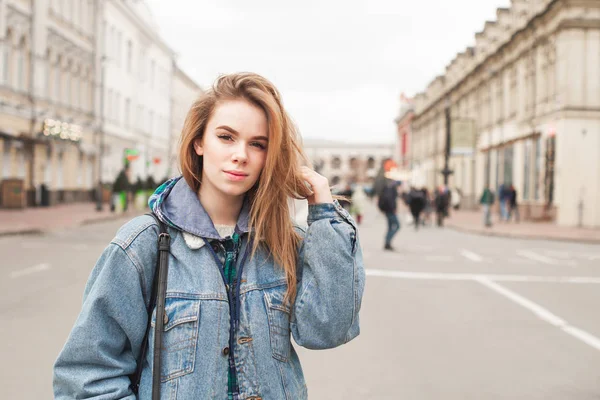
(347, 163)
(84, 86)
(185, 92)
(406, 113)
(134, 94)
(530, 88)
(46, 98)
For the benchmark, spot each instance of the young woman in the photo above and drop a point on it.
(242, 278)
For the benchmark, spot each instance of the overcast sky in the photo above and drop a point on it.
(340, 64)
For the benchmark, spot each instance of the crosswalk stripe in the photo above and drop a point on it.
(543, 313)
(448, 276)
(537, 257)
(471, 256)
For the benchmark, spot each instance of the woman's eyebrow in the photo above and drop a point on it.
(230, 129)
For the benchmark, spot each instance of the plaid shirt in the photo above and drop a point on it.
(231, 249)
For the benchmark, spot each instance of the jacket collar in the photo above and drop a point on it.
(183, 209)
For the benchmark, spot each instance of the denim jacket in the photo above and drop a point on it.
(105, 342)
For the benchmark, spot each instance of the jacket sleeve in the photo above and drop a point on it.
(103, 345)
(331, 280)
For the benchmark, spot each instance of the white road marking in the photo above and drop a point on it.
(473, 277)
(471, 256)
(543, 314)
(537, 257)
(30, 270)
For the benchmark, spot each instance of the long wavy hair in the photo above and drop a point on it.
(280, 178)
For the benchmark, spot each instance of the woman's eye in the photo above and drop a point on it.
(259, 145)
(225, 137)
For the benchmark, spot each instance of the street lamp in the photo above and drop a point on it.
(446, 172)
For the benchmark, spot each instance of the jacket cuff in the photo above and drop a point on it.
(327, 211)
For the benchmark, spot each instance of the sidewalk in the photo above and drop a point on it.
(472, 222)
(41, 219)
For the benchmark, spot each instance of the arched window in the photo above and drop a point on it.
(371, 162)
(336, 162)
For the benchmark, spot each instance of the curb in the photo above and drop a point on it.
(22, 232)
(89, 221)
(523, 237)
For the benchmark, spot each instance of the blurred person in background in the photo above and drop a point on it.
(486, 201)
(387, 203)
(359, 200)
(513, 206)
(120, 190)
(416, 203)
(442, 201)
(428, 207)
(503, 195)
(242, 280)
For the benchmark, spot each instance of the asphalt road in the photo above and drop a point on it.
(446, 316)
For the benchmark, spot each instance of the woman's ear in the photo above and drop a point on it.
(198, 148)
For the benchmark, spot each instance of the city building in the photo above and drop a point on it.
(85, 86)
(403, 121)
(347, 163)
(46, 99)
(134, 94)
(185, 92)
(524, 109)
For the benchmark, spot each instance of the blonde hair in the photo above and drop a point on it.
(280, 178)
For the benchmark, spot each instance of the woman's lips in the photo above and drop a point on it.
(235, 176)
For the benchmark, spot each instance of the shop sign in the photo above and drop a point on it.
(61, 130)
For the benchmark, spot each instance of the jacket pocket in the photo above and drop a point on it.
(279, 322)
(180, 337)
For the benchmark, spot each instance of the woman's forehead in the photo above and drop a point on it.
(241, 116)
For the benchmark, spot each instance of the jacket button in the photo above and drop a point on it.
(226, 351)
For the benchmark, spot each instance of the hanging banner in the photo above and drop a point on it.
(463, 137)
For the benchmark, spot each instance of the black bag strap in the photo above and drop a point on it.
(157, 299)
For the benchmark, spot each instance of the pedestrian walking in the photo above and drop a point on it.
(441, 201)
(359, 199)
(486, 201)
(120, 190)
(503, 195)
(387, 204)
(428, 207)
(513, 206)
(241, 280)
(416, 204)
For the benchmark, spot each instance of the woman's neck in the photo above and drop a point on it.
(222, 209)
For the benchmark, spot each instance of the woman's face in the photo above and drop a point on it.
(233, 147)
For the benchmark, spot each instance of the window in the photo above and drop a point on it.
(67, 87)
(336, 162)
(57, 79)
(527, 169)
(152, 72)
(117, 107)
(6, 60)
(6, 160)
(371, 162)
(537, 168)
(508, 165)
(48, 73)
(127, 112)
(129, 55)
(21, 65)
(109, 104)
